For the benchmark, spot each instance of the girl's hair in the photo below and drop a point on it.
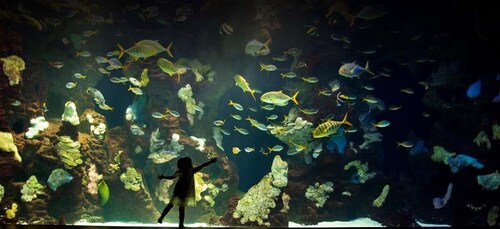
(185, 163)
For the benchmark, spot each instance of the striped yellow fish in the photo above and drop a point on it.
(329, 127)
(243, 84)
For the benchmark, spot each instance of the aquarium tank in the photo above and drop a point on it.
(294, 113)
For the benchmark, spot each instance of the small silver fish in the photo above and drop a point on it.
(16, 103)
(70, 85)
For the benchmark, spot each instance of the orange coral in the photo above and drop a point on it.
(12, 67)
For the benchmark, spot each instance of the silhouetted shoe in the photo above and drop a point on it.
(160, 220)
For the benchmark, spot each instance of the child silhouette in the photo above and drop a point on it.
(184, 188)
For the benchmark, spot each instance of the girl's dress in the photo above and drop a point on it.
(184, 195)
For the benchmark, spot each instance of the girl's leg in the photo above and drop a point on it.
(165, 212)
(181, 216)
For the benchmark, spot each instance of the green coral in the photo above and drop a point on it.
(2, 192)
(132, 179)
(279, 171)
(69, 152)
(199, 185)
(496, 131)
(186, 95)
(319, 193)
(31, 189)
(440, 154)
(482, 139)
(381, 198)
(492, 216)
(361, 170)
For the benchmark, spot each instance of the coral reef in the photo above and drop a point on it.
(162, 190)
(132, 180)
(92, 180)
(37, 125)
(440, 154)
(161, 153)
(31, 189)
(256, 204)
(200, 143)
(13, 67)
(362, 175)
(2, 192)
(319, 193)
(69, 152)
(495, 128)
(492, 216)
(370, 138)
(379, 201)
(58, 177)
(70, 115)
(7, 145)
(186, 95)
(441, 202)
(482, 139)
(490, 181)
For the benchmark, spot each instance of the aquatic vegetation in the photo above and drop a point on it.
(69, 152)
(13, 67)
(490, 181)
(131, 179)
(70, 115)
(7, 145)
(31, 189)
(58, 177)
(381, 198)
(37, 125)
(319, 193)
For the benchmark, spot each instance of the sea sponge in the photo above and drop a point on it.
(381, 198)
(7, 145)
(12, 67)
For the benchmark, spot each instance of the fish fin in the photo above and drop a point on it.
(129, 88)
(344, 121)
(294, 97)
(261, 66)
(169, 49)
(122, 51)
(367, 68)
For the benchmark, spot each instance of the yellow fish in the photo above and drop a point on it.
(329, 127)
(243, 84)
(268, 67)
(144, 77)
(236, 150)
(278, 98)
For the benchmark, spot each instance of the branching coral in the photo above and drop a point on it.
(93, 179)
(13, 67)
(31, 189)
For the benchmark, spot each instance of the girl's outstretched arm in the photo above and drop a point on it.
(161, 177)
(211, 161)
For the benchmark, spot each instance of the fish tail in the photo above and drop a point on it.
(77, 54)
(122, 51)
(252, 92)
(261, 67)
(230, 102)
(344, 121)
(129, 88)
(367, 68)
(169, 49)
(294, 98)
